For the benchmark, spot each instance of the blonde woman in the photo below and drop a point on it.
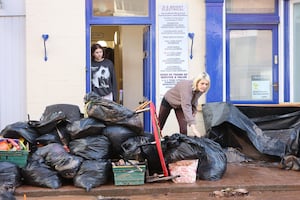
(183, 98)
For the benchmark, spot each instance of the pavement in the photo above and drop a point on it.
(254, 177)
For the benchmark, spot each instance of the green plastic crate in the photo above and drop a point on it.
(17, 157)
(129, 175)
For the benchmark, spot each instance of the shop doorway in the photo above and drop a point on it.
(128, 47)
(130, 27)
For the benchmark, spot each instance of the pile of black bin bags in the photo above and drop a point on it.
(67, 146)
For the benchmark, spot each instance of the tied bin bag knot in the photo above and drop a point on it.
(111, 113)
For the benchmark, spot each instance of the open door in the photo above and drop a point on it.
(146, 72)
(135, 21)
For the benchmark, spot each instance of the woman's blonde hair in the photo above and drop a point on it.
(200, 77)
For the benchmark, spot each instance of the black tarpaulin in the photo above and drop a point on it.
(269, 132)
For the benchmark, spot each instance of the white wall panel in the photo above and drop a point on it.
(12, 70)
(60, 79)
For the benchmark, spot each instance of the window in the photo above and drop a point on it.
(126, 8)
(252, 51)
(250, 64)
(250, 6)
(295, 52)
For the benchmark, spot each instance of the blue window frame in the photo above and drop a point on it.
(262, 59)
(215, 38)
(286, 55)
(259, 21)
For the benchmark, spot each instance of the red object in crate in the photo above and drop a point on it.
(7, 144)
(4, 146)
(13, 150)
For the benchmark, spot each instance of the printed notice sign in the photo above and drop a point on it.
(173, 45)
(261, 88)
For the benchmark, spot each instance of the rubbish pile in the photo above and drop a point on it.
(67, 146)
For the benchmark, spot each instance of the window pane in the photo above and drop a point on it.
(250, 6)
(250, 65)
(134, 8)
(296, 53)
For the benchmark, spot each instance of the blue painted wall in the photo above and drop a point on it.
(214, 49)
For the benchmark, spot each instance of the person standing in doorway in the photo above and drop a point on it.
(103, 78)
(183, 98)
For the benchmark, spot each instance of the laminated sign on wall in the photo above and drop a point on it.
(173, 41)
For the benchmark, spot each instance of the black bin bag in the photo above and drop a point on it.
(112, 113)
(55, 156)
(142, 148)
(212, 161)
(117, 134)
(10, 177)
(85, 127)
(93, 173)
(20, 130)
(214, 165)
(37, 173)
(181, 147)
(92, 147)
